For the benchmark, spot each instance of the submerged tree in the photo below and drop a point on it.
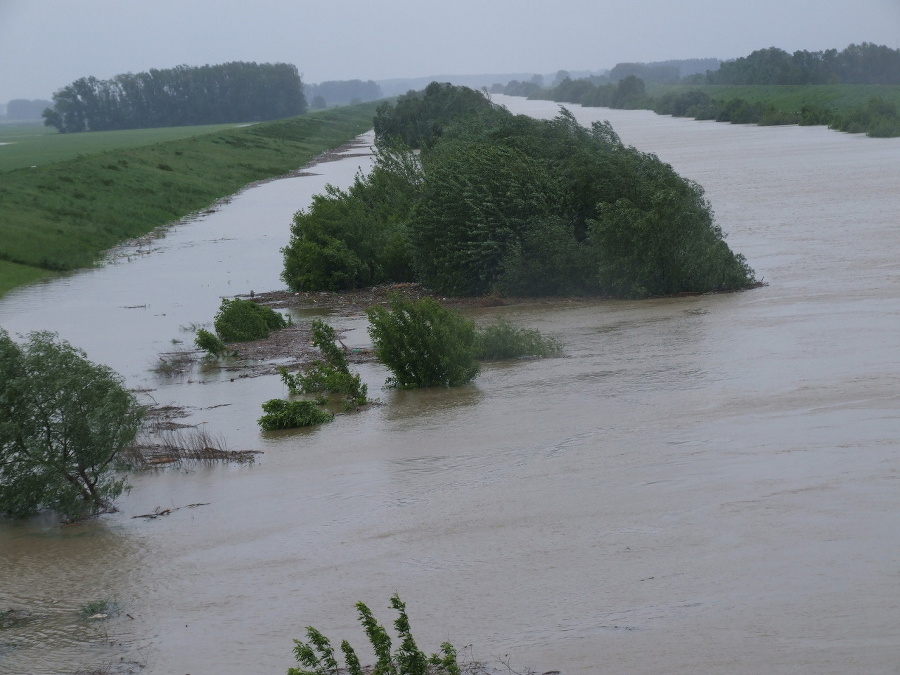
(63, 423)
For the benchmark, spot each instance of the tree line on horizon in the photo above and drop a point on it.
(185, 95)
(864, 64)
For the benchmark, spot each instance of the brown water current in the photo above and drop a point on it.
(701, 484)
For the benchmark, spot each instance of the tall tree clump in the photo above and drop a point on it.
(185, 95)
(63, 423)
(502, 203)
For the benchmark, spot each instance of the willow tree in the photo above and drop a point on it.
(63, 423)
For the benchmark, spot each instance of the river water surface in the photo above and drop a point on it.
(701, 484)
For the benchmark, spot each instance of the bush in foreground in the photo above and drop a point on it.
(317, 657)
(242, 320)
(209, 342)
(423, 343)
(505, 340)
(63, 423)
(329, 375)
(292, 414)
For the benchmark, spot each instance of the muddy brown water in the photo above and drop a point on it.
(702, 484)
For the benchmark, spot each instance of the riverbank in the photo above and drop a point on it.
(62, 216)
(852, 108)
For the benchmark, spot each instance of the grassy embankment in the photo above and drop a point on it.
(842, 106)
(88, 192)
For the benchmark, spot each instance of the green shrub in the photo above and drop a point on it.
(330, 375)
(291, 414)
(504, 340)
(209, 342)
(64, 421)
(663, 241)
(347, 239)
(241, 320)
(424, 344)
(317, 655)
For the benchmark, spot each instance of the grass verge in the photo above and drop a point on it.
(62, 215)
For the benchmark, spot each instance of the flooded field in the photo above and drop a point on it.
(701, 484)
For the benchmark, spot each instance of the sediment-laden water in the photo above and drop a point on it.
(701, 484)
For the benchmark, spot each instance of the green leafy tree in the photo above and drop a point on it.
(478, 201)
(357, 237)
(423, 343)
(63, 423)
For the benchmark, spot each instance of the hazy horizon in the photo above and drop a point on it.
(48, 44)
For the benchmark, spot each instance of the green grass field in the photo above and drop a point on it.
(839, 97)
(61, 215)
(36, 145)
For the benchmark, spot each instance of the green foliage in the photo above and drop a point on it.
(866, 63)
(229, 92)
(664, 242)
(503, 203)
(63, 422)
(316, 656)
(240, 320)
(358, 237)
(331, 374)
(423, 343)
(418, 118)
(504, 340)
(878, 118)
(209, 342)
(282, 414)
(477, 200)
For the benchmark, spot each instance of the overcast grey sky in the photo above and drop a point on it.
(46, 44)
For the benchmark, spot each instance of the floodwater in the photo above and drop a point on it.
(701, 484)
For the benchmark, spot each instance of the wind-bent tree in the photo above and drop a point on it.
(63, 423)
(496, 202)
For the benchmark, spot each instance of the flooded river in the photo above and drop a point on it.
(701, 484)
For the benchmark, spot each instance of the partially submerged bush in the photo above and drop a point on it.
(331, 374)
(291, 414)
(504, 340)
(317, 657)
(423, 343)
(209, 342)
(63, 423)
(242, 320)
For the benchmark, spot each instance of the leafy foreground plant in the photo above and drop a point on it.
(282, 414)
(242, 320)
(331, 374)
(63, 423)
(209, 342)
(505, 340)
(423, 343)
(317, 655)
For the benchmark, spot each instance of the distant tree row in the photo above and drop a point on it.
(341, 92)
(857, 64)
(24, 109)
(495, 202)
(185, 95)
